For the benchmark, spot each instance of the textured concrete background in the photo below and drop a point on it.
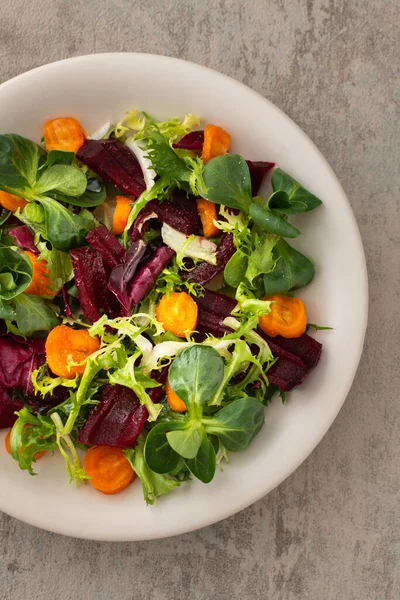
(332, 530)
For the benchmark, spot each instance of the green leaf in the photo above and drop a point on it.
(164, 159)
(59, 157)
(300, 200)
(153, 484)
(293, 270)
(26, 442)
(19, 160)
(269, 221)
(237, 424)
(195, 376)
(66, 179)
(204, 464)
(317, 327)
(227, 179)
(15, 273)
(186, 442)
(4, 214)
(235, 269)
(64, 229)
(159, 455)
(261, 259)
(59, 265)
(94, 195)
(33, 314)
(6, 311)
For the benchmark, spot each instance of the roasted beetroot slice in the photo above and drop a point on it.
(180, 213)
(208, 322)
(107, 244)
(305, 347)
(204, 272)
(191, 141)
(156, 394)
(216, 303)
(91, 280)
(8, 406)
(117, 420)
(289, 371)
(257, 171)
(124, 156)
(24, 238)
(146, 276)
(109, 159)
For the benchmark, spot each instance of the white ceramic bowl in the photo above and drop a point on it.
(100, 88)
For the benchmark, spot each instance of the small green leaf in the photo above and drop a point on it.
(153, 484)
(59, 157)
(299, 199)
(235, 269)
(195, 376)
(66, 179)
(64, 229)
(159, 455)
(33, 314)
(227, 179)
(186, 442)
(204, 464)
(19, 160)
(15, 273)
(6, 310)
(237, 424)
(269, 221)
(293, 270)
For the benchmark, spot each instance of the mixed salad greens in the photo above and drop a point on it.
(147, 299)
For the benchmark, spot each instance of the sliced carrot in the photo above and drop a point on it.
(176, 403)
(11, 202)
(40, 284)
(65, 133)
(216, 142)
(178, 313)
(208, 214)
(109, 469)
(65, 346)
(7, 443)
(287, 318)
(123, 207)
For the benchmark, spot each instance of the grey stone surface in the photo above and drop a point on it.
(332, 530)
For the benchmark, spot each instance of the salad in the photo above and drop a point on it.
(148, 308)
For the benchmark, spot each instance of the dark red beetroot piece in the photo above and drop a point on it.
(106, 243)
(115, 163)
(117, 420)
(191, 141)
(216, 303)
(204, 272)
(157, 393)
(146, 276)
(91, 278)
(180, 213)
(305, 347)
(288, 371)
(8, 406)
(68, 310)
(208, 322)
(257, 171)
(122, 276)
(24, 238)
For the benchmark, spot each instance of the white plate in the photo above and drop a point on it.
(100, 88)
